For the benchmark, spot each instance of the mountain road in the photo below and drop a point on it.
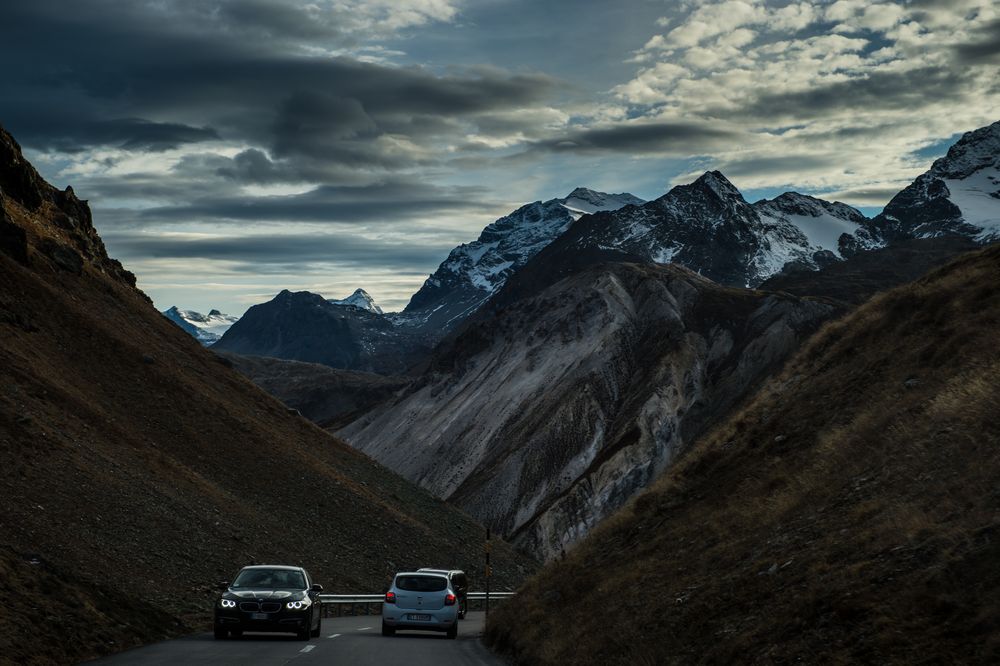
(343, 640)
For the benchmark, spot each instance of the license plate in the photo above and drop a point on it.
(258, 616)
(417, 616)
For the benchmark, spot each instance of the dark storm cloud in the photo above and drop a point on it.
(197, 81)
(255, 252)
(267, 18)
(983, 48)
(879, 91)
(387, 202)
(134, 134)
(638, 138)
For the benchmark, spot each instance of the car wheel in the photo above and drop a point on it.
(319, 624)
(221, 633)
(236, 633)
(453, 631)
(304, 633)
(387, 630)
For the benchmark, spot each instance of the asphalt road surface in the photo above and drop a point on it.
(344, 640)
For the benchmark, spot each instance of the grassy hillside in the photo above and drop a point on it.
(139, 470)
(849, 513)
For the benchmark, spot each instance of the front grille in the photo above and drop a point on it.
(270, 607)
(249, 606)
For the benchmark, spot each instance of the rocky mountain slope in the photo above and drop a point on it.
(959, 195)
(475, 271)
(206, 329)
(847, 514)
(303, 326)
(329, 397)
(543, 418)
(139, 470)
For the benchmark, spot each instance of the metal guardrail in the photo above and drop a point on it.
(364, 604)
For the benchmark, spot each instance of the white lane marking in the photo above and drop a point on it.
(308, 648)
(333, 636)
(364, 628)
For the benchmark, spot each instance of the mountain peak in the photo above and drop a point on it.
(582, 193)
(715, 181)
(976, 150)
(360, 299)
(207, 329)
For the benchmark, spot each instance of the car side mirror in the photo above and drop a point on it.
(316, 588)
(223, 585)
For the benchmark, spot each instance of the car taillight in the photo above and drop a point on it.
(449, 600)
(390, 597)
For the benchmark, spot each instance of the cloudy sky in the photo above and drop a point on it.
(232, 148)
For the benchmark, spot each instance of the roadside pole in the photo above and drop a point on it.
(489, 572)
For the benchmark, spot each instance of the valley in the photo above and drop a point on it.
(770, 422)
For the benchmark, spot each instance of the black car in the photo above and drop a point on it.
(269, 597)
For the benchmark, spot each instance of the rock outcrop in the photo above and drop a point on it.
(543, 418)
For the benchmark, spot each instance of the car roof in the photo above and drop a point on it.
(272, 566)
(440, 571)
(438, 574)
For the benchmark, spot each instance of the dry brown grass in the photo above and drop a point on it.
(849, 513)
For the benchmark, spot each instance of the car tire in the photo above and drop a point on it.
(236, 633)
(304, 633)
(387, 630)
(221, 633)
(319, 625)
(453, 631)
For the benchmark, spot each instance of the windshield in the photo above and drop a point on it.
(421, 583)
(270, 579)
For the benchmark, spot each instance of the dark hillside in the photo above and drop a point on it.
(329, 397)
(849, 513)
(139, 469)
(864, 274)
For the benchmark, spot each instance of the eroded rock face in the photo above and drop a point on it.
(545, 417)
(70, 242)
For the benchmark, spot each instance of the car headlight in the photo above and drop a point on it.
(227, 603)
(298, 605)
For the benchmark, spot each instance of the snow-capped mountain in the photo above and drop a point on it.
(207, 329)
(959, 195)
(475, 271)
(710, 228)
(802, 229)
(360, 299)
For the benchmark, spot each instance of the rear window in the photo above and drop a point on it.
(421, 583)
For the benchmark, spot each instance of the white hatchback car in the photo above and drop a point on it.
(418, 600)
